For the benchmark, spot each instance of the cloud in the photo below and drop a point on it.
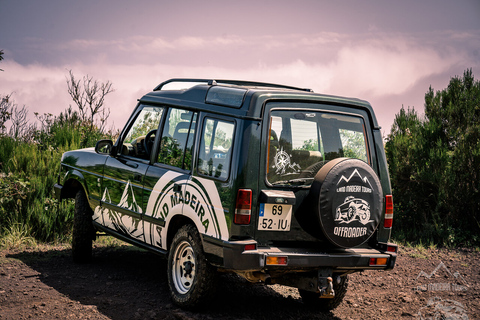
(370, 67)
(386, 67)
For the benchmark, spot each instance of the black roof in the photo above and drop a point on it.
(239, 98)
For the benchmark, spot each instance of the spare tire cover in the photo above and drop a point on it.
(348, 201)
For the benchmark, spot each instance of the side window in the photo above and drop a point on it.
(139, 139)
(177, 138)
(216, 148)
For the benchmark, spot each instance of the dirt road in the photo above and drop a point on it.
(127, 283)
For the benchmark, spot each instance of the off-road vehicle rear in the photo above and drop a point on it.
(275, 183)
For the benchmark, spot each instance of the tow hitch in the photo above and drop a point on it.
(325, 285)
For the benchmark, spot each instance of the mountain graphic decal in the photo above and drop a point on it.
(355, 173)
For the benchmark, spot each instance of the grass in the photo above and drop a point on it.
(417, 250)
(17, 236)
(109, 241)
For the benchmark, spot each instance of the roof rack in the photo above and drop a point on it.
(213, 82)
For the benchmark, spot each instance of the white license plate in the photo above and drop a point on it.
(275, 217)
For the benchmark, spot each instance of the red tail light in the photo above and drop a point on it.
(392, 248)
(388, 211)
(243, 206)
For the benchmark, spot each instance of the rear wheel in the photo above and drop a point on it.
(83, 232)
(191, 278)
(313, 298)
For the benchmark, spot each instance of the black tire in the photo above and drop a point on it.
(83, 232)
(338, 188)
(191, 279)
(326, 304)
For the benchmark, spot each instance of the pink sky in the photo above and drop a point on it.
(387, 53)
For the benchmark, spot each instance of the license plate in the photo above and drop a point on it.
(275, 217)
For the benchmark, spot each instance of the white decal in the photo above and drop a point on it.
(194, 198)
(355, 173)
(282, 162)
(128, 200)
(120, 222)
(353, 209)
(350, 232)
(173, 194)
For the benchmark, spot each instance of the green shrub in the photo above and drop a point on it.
(28, 172)
(433, 164)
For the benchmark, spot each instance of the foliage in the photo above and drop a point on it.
(17, 236)
(5, 112)
(26, 191)
(434, 163)
(310, 145)
(353, 143)
(148, 120)
(29, 163)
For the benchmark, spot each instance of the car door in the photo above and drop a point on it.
(122, 204)
(165, 181)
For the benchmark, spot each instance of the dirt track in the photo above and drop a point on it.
(126, 283)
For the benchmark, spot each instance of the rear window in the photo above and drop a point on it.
(301, 142)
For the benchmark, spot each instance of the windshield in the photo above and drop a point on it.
(301, 142)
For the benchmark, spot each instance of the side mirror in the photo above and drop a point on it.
(104, 146)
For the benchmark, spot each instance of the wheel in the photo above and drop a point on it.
(326, 304)
(191, 278)
(83, 232)
(364, 217)
(346, 182)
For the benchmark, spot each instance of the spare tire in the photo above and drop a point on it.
(348, 201)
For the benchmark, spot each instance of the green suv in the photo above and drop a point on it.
(277, 184)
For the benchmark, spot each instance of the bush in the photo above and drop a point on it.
(28, 171)
(433, 165)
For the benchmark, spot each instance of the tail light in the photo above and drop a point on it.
(378, 262)
(276, 261)
(243, 206)
(392, 248)
(388, 211)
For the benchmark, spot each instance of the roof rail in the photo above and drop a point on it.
(230, 82)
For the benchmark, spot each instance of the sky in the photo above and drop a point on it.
(386, 52)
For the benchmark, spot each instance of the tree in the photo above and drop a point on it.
(5, 112)
(1, 57)
(434, 163)
(456, 112)
(89, 96)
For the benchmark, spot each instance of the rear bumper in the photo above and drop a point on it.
(236, 258)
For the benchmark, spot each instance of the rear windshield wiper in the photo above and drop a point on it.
(298, 181)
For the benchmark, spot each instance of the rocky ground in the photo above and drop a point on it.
(127, 283)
